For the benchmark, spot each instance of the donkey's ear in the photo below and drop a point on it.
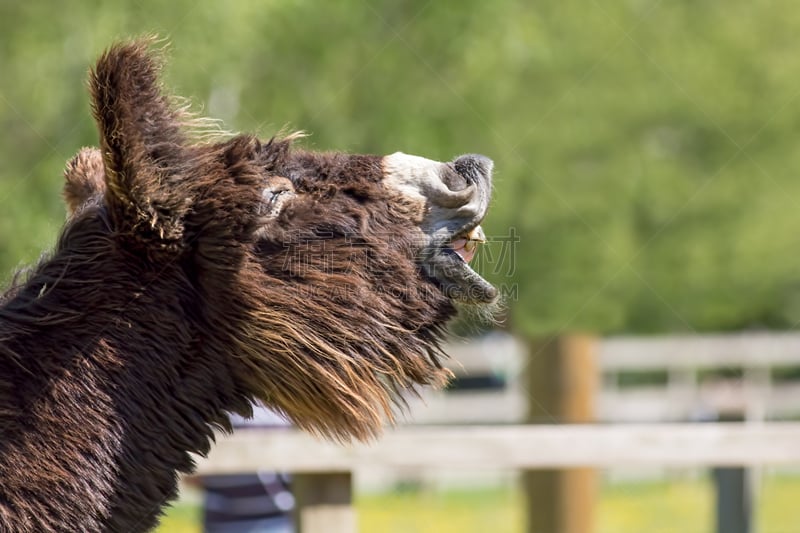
(83, 178)
(142, 143)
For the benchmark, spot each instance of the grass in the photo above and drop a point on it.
(679, 506)
(182, 518)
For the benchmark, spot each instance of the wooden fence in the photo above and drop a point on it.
(683, 397)
(323, 470)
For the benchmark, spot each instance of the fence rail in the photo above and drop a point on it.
(323, 470)
(514, 447)
(749, 350)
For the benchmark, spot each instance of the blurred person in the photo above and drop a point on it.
(257, 502)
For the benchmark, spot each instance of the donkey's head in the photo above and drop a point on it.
(325, 279)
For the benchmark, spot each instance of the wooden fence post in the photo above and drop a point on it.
(734, 500)
(561, 387)
(734, 493)
(324, 503)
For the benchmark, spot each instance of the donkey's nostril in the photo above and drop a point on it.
(464, 181)
(452, 179)
(473, 166)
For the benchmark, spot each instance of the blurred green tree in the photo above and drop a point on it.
(644, 150)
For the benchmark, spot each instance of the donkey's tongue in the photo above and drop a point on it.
(464, 248)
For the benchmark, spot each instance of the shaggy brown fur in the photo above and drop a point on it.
(192, 279)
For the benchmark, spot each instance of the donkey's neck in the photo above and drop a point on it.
(103, 395)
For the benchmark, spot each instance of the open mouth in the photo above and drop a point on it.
(449, 262)
(467, 244)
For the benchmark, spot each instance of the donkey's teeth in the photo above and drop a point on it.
(476, 234)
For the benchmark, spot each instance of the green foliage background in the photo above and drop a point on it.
(646, 151)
